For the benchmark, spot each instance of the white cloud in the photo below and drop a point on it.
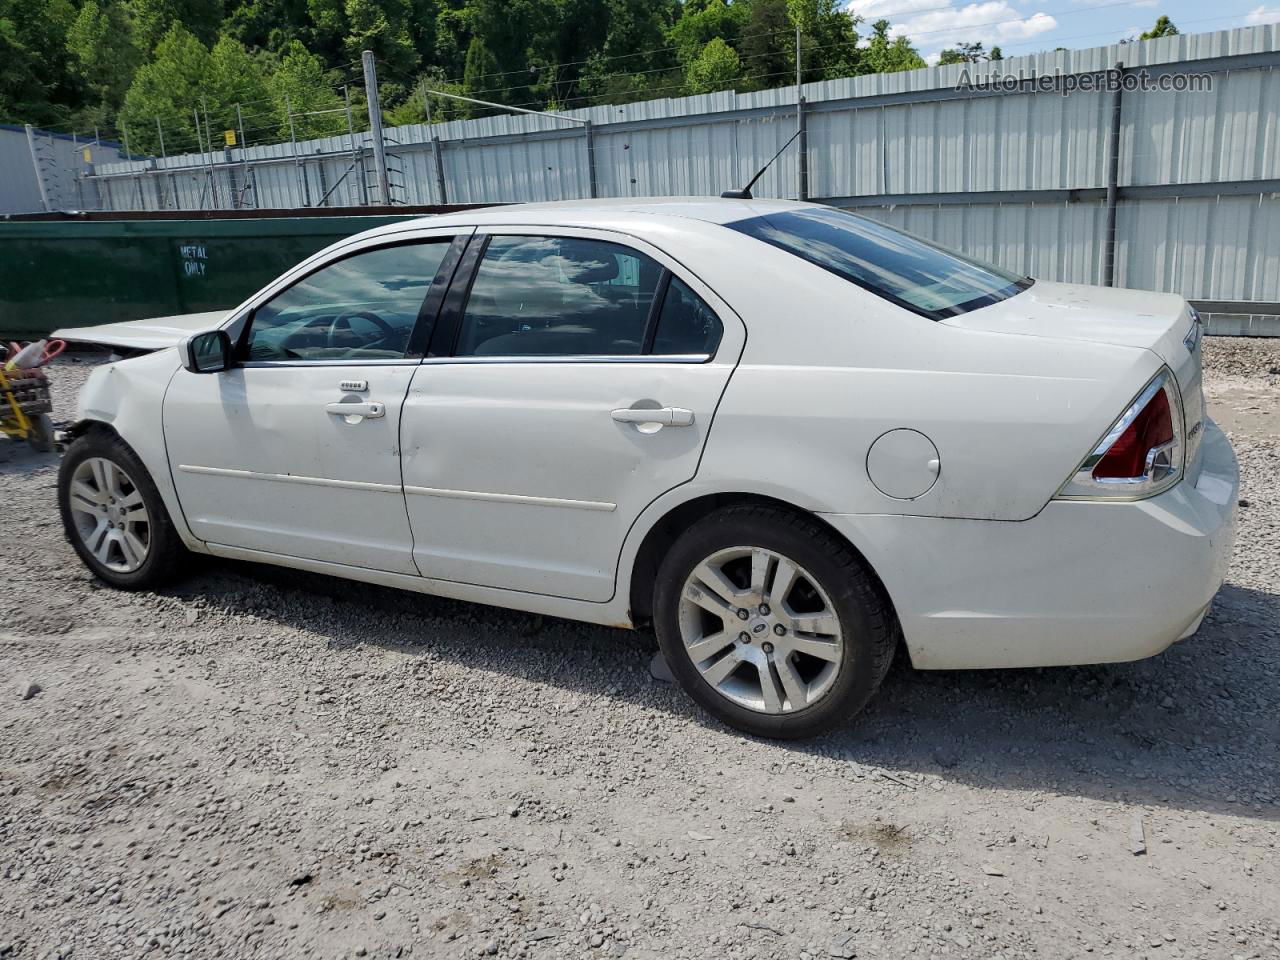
(1262, 15)
(1111, 3)
(931, 29)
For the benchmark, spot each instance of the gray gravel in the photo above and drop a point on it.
(260, 763)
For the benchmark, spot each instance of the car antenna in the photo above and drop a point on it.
(745, 192)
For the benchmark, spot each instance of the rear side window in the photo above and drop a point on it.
(686, 324)
(536, 296)
(558, 296)
(897, 266)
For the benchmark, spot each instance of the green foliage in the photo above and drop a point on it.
(963, 53)
(1163, 28)
(889, 56)
(715, 68)
(300, 88)
(105, 58)
(143, 63)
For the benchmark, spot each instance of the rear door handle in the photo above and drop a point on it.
(355, 412)
(665, 416)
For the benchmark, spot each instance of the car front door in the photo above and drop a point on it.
(572, 380)
(295, 449)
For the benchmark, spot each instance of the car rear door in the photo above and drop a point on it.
(295, 449)
(572, 379)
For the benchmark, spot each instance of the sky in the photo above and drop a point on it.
(1028, 26)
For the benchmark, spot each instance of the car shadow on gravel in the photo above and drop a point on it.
(1194, 728)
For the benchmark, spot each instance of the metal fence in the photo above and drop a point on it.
(1168, 190)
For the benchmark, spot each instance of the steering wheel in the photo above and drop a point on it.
(388, 331)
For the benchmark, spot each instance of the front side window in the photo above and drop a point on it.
(363, 307)
(558, 296)
(903, 269)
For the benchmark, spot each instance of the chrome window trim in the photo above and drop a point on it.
(652, 358)
(352, 362)
(1082, 485)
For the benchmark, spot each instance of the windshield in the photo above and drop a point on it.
(904, 269)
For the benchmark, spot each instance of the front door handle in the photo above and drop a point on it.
(355, 412)
(663, 416)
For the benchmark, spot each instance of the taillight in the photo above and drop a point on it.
(1142, 454)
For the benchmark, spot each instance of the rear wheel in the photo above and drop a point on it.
(113, 514)
(771, 622)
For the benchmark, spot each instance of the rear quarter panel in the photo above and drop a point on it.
(828, 368)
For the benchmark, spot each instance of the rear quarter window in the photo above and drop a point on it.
(902, 268)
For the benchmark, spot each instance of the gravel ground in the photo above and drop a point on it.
(260, 763)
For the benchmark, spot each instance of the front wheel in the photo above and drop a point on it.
(114, 516)
(771, 622)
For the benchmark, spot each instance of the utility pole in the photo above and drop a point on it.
(1113, 181)
(375, 126)
(208, 140)
(435, 146)
(802, 164)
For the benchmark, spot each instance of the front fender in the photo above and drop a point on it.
(128, 397)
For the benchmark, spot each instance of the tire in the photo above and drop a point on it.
(40, 438)
(831, 591)
(116, 561)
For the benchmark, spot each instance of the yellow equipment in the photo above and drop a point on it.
(24, 407)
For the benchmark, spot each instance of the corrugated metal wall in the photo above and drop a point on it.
(904, 147)
(59, 161)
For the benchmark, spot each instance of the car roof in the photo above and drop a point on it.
(605, 212)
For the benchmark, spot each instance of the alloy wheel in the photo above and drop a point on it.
(110, 516)
(760, 630)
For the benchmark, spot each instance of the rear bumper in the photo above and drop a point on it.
(1081, 582)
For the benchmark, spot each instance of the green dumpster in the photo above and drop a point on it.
(69, 273)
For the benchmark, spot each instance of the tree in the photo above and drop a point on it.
(104, 55)
(36, 84)
(300, 88)
(236, 77)
(153, 18)
(889, 56)
(168, 90)
(380, 26)
(996, 54)
(480, 73)
(963, 53)
(693, 31)
(1163, 28)
(715, 68)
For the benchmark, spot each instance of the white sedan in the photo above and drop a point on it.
(787, 436)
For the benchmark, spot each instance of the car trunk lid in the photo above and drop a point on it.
(1159, 322)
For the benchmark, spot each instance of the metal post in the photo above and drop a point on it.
(1113, 182)
(35, 163)
(208, 139)
(435, 148)
(124, 129)
(802, 143)
(204, 148)
(375, 126)
(297, 159)
(357, 157)
(246, 186)
(160, 134)
(591, 159)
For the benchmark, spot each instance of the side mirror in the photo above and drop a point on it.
(207, 352)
